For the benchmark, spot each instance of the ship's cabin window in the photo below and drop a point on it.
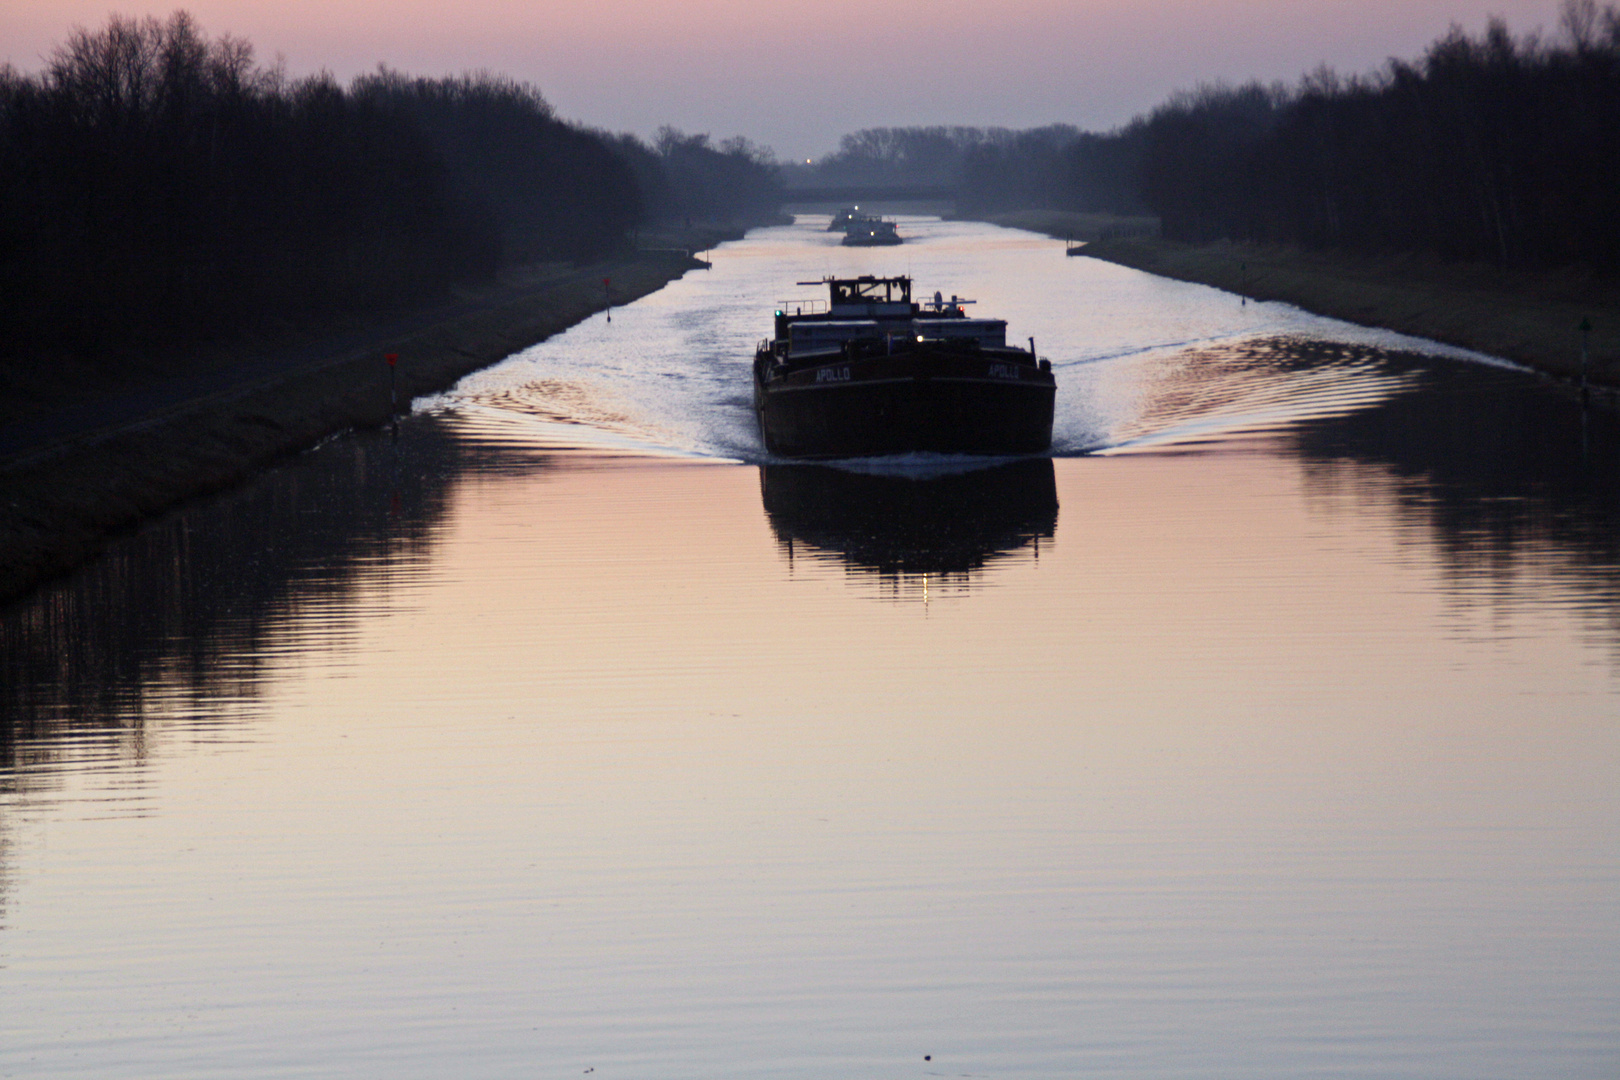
(872, 291)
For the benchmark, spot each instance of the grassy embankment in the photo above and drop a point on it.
(1530, 318)
(85, 454)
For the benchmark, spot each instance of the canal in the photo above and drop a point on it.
(1265, 729)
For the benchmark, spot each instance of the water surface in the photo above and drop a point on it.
(1267, 729)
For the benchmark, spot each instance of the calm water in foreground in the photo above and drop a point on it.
(1267, 730)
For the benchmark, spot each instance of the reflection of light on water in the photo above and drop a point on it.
(484, 424)
(1212, 395)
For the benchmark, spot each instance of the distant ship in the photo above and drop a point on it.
(870, 232)
(841, 220)
(868, 372)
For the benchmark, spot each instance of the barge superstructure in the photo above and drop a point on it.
(871, 372)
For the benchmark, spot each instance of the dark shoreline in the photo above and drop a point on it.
(1531, 318)
(74, 478)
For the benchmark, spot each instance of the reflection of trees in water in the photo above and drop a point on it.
(178, 621)
(897, 526)
(1494, 467)
(1497, 469)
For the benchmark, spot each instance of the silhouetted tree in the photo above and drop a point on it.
(157, 185)
(1057, 166)
(1486, 149)
(905, 155)
(549, 190)
(736, 181)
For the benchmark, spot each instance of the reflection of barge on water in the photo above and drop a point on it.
(896, 525)
(869, 372)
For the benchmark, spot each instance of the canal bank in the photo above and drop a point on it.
(76, 474)
(1530, 318)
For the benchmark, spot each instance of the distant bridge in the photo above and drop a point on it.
(854, 195)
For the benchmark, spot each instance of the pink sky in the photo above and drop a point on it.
(797, 76)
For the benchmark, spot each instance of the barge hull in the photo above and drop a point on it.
(906, 415)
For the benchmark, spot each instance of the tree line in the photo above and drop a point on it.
(158, 185)
(1057, 166)
(903, 156)
(1487, 148)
